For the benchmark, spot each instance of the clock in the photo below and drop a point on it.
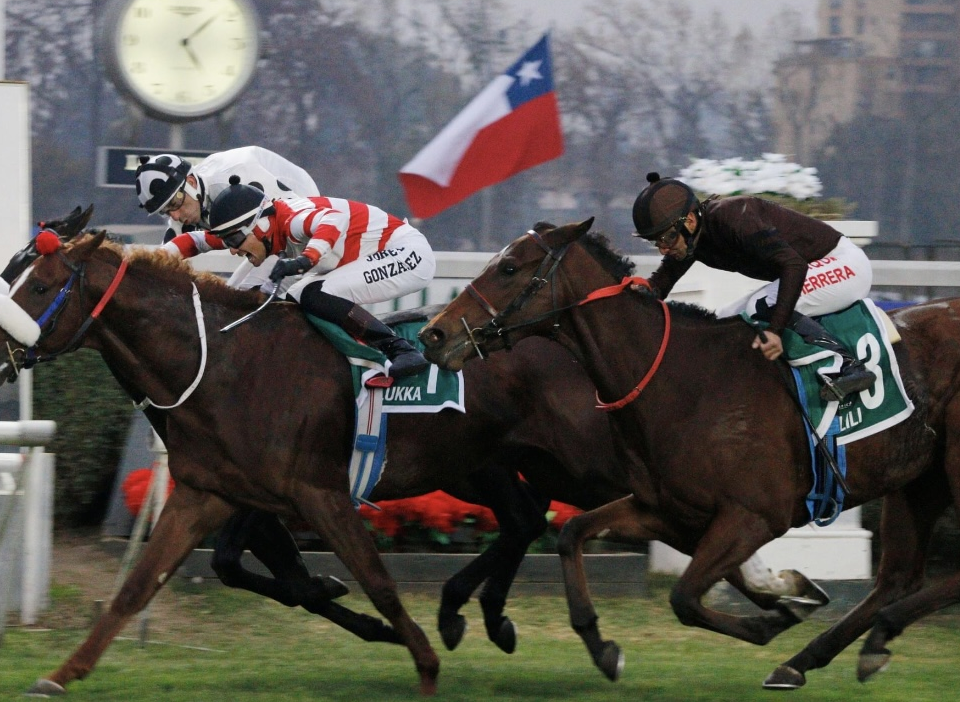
(181, 60)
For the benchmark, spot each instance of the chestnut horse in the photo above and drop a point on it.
(715, 426)
(528, 411)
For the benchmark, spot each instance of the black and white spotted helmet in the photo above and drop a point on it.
(159, 178)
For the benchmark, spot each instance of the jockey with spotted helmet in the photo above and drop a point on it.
(172, 187)
(761, 240)
(349, 254)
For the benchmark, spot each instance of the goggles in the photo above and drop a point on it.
(235, 239)
(667, 238)
(176, 202)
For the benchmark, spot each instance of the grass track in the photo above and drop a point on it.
(263, 651)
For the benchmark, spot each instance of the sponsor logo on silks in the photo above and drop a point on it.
(826, 279)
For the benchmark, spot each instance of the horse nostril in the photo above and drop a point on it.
(431, 336)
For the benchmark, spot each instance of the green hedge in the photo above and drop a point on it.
(92, 415)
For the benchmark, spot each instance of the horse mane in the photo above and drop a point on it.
(170, 267)
(619, 265)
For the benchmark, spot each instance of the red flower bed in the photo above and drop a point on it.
(433, 517)
(135, 488)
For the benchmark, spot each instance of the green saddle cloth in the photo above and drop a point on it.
(860, 329)
(430, 391)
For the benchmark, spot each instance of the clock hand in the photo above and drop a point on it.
(191, 54)
(199, 29)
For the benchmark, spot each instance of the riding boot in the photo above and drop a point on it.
(852, 377)
(404, 359)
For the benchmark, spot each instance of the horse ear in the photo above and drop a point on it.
(569, 233)
(84, 247)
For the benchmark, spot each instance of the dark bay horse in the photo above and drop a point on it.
(523, 414)
(715, 427)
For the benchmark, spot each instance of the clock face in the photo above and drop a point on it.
(183, 59)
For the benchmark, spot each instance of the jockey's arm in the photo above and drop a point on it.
(193, 243)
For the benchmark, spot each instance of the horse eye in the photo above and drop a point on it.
(509, 269)
(40, 288)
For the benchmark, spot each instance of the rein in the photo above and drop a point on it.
(202, 329)
(496, 328)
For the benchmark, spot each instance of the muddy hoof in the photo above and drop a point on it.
(452, 630)
(610, 661)
(869, 664)
(784, 678)
(45, 688)
(506, 636)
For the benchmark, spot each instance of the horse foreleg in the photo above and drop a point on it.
(908, 519)
(788, 589)
(186, 518)
(520, 515)
(631, 521)
(333, 517)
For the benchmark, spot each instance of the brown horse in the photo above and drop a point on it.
(527, 411)
(716, 427)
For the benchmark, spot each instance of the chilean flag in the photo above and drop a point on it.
(514, 124)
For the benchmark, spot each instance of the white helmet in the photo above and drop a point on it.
(159, 178)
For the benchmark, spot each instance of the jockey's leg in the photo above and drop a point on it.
(853, 375)
(357, 322)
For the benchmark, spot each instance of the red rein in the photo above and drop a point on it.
(616, 290)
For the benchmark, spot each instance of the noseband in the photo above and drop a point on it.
(496, 327)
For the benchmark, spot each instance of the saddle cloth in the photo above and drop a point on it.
(377, 396)
(862, 329)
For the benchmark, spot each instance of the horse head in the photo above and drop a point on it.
(65, 229)
(486, 316)
(35, 323)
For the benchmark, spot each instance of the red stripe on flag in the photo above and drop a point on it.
(528, 136)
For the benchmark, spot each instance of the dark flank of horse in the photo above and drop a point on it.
(719, 434)
(269, 427)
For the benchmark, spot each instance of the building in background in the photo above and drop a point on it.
(876, 57)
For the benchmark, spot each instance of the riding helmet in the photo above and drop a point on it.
(158, 179)
(236, 207)
(661, 204)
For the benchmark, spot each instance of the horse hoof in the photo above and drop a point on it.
(870, 664)
(452, 630)
(45, 688)
(333, 586)
(809, 596)
(610, 661)
(784, 678)
(506, 637)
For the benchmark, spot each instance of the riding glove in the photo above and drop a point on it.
(290, 266)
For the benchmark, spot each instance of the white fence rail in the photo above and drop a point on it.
(26, 519)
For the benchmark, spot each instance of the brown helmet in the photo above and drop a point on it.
(662, 205)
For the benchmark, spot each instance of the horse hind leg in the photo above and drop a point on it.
(908, 519)
(893, 619)
(333, 517)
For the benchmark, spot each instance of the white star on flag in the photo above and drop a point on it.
(529, 71)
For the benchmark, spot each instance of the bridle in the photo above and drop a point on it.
(48, 320)
(30, 357)
(547, 269)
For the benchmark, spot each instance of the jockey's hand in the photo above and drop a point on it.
(289, 266)
(769, 344)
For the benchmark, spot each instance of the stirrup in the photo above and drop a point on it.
(856, 379)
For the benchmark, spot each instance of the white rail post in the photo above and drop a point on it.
(26, 524)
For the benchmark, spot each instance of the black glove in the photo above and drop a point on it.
(289, 266)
